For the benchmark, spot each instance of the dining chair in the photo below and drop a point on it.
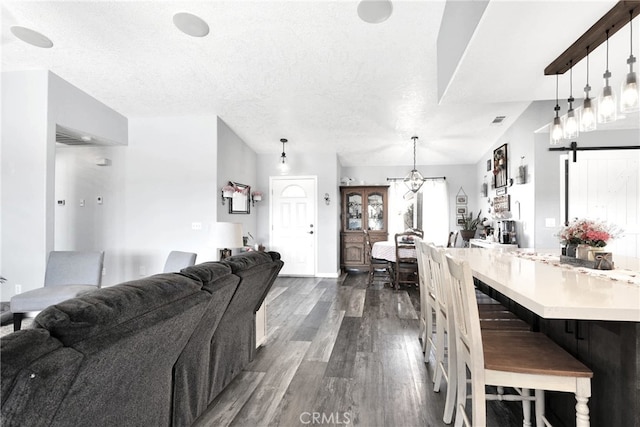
(453, 238)
(516, 359)
(177, 260)
(376, 265)
(68, 274)
(427, 299)
(406, 265)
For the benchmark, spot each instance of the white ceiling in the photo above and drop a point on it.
(313, 72)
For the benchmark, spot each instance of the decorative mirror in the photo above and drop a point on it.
(240, 203)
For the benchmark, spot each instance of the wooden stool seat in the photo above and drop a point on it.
(529, 353)
(504, 324)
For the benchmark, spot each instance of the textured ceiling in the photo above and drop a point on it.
(312, 71)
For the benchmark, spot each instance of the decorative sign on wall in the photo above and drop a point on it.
(501, 203)
(461, 206)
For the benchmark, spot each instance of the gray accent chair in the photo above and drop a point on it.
(68, 275)
(178, 260)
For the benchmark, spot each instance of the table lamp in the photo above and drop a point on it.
(227, 235)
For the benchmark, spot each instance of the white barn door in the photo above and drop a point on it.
(606, 185)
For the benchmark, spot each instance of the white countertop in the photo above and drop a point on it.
(482, 243)
(553, 292)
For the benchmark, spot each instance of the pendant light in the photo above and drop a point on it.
(607, 98)
(414, 179)
(588, 116)
(555, 133)
(570, 120)
(283, 165)
(629, 94)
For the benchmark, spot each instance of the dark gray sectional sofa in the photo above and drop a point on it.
(149, 352)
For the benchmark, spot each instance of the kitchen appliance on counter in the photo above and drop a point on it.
(505, 232)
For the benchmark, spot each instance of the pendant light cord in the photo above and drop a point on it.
(570, 81)
(557, 107)
(587, 65)
(631, 32)
(607, 50)
(414, 152)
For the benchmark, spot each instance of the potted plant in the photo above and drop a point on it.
(469, 225)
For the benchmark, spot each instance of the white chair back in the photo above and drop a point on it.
(468, 337)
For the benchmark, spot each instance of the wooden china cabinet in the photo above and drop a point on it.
(363, 208)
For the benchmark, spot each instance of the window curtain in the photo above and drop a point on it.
(399, 208)
(403, 210)
(435, 211)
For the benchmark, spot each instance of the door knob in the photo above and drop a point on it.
(311, 232)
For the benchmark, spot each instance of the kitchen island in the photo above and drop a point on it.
(594, 315)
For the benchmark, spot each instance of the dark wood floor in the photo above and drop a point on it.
(339, 353)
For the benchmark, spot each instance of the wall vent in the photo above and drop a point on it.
(498, 120)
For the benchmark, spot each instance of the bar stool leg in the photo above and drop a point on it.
(583, 392)
(526, 408)
(539, 408)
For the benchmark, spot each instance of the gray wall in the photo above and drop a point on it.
(326, 168)
(457, 176)
(237, 163)
(539, 198)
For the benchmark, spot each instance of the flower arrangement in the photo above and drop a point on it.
(227, 191)
(589, 232)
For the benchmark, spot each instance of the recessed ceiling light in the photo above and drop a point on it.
(30, 36)
(374, 11)
(191, 24)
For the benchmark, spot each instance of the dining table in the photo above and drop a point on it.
(386, 249)
(594, 314)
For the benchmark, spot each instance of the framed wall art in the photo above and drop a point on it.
(500, 166)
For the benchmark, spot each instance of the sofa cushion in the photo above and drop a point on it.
(206, 272)
(191, 373)
(76, 319)
(36, 374)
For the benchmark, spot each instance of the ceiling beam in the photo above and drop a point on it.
(613, 21)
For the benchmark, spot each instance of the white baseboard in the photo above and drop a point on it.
(329, 275)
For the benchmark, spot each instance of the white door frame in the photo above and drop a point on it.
(314, 207)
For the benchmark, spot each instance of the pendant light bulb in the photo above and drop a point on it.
(607, 98)
(414, 179)
(588, 114)
(629, 94)
(570, 124)
(283, 164)
(555, 133)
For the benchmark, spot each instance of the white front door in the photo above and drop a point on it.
(293, 223)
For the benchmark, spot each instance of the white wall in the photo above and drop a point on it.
(170, 184)
(26, 168)
(38, 101)
(93, 226)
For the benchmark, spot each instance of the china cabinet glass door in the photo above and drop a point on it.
(375, 211)
(354, 212)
